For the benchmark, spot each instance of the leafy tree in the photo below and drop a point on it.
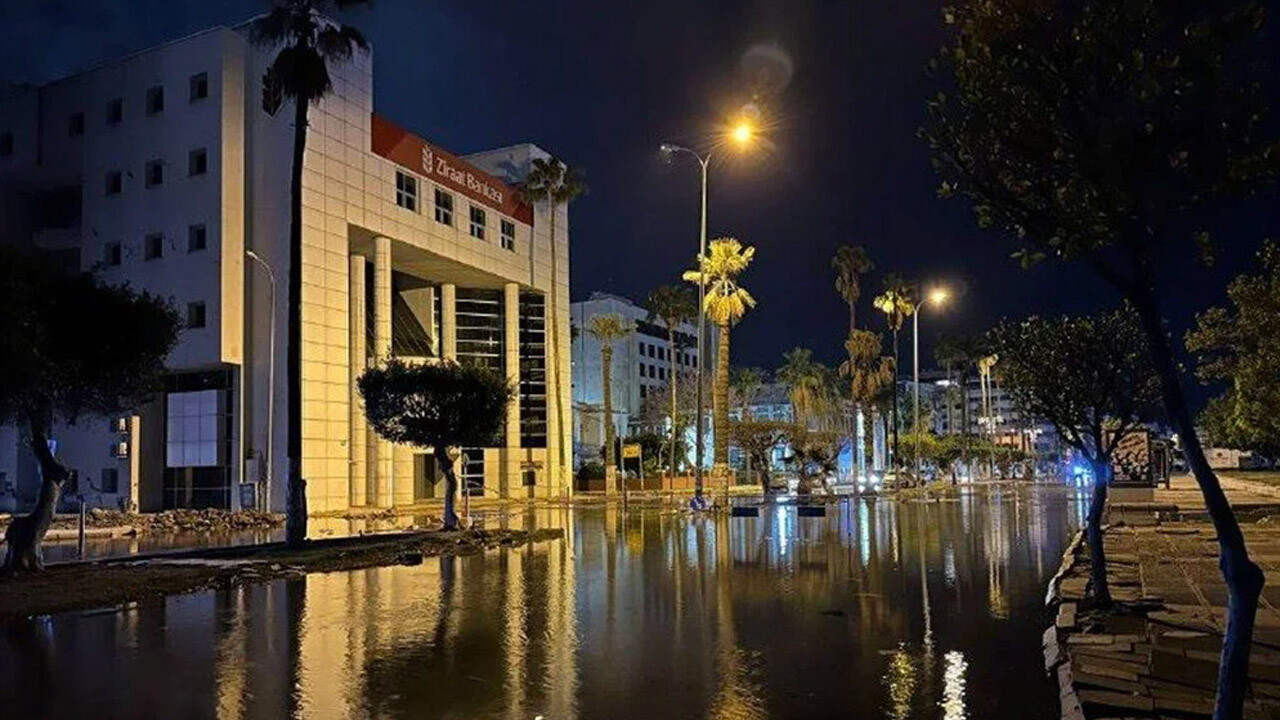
(897, 302)
(851, 262)
(1102, 132)
(651, 445)
(673, 306)
(553, 182)
(814, 455)
(744, 387)
(725, 303)
(1239, 346)
(308, 42)
(608, 329)
(1090, 378)
(439, 407)
(757, 439)
(70, 346)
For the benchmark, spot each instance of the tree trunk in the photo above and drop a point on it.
(450, 486)
(296, 488)
(606, 378)
(1244, 579)
(720, 401)
(895, 399)
(1093, 533)
(555, 346)
(671, 370)
(25, 534)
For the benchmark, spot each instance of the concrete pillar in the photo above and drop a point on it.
(421, 302)
(383, 457)
(359, 441)
(509, 485)
(449, 321)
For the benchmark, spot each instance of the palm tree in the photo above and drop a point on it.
(725, 304)
(308, 43)
(804, 379)
(851, 262)
(744, 386)
(897, 303)
(673, 306)
(557, 184)
(962, 352)
(868, 373)
(608, 329)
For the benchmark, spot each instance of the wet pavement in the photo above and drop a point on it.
(878, 609)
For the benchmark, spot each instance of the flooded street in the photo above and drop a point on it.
(880, 609)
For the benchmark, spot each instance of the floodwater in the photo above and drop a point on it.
(880, 609)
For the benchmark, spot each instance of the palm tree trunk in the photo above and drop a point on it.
(1093, 533)
(555, 344)
(720, 401)
(1244, 579)
(895, 398)
(450, 486)
(671, 371)
(606, 377)
(296, 489)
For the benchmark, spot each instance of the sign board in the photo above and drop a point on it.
(446, 169)
(630, 452)
(1131, 461)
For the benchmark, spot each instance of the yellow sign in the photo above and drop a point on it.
(630, 451)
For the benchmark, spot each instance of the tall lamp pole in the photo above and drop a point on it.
(271, 377)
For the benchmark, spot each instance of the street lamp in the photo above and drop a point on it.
(937, 297)
(271, 376)
(742, 134)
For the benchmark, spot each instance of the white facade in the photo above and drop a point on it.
(171, 196)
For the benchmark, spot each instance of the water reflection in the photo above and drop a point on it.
(647, 614)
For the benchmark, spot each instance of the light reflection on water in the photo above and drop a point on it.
(880, 609)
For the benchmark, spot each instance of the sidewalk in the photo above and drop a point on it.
(1156, 653)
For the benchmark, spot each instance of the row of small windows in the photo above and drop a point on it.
(153, 245)
(153, 172)
(656, 372)
(197, 89)
(660, 352)
(407, 198)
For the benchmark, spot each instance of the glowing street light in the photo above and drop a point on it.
(743, 132)
(936, 296)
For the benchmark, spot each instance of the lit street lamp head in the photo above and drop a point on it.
(938, 296)
(743, 132)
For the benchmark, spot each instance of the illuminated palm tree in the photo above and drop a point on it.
(868, 373)
(672, 306)
(725, 304)
(552, 181)
(608, 329)
(308, 44)
(897, 303)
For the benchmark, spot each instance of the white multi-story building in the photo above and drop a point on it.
(161, 169)
(641, 367)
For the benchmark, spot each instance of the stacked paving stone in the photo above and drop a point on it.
(1155, 653)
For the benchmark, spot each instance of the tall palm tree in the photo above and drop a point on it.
(804, 379)
(868, 373)
(851, 262)
(308, 43)
(897, 302)
(608, 329)
(725, 303)
(552, 181)
(744, 386)
(962, 352)
(673, 306)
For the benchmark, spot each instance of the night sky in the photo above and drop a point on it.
(602, 84)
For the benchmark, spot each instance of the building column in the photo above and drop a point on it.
(359, 441)
(510, 484)
(449, 321)
(382, 453)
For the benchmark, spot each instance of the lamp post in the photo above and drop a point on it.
(937, 297)
(742, 135)
(271, 376)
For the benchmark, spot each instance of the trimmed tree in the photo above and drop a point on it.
(815, 456)
(1091, 379)
(437, 407)
(70, 346)
(757, 440)
(1103, 133)
(309, 42)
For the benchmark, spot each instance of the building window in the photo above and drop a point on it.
(153, 247)
(111, 253)
(195, 315)
(110, 482)
(444, 207)
(508, 234)
(198, 162)
(477, 222)
(75, 126)
(155, 100)
(406, 191)
(114, 182)
(196, 238)
(192, 436)
(643, 391)
(154, 173)
(115, 111)
(199, 86)
(6, 143)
